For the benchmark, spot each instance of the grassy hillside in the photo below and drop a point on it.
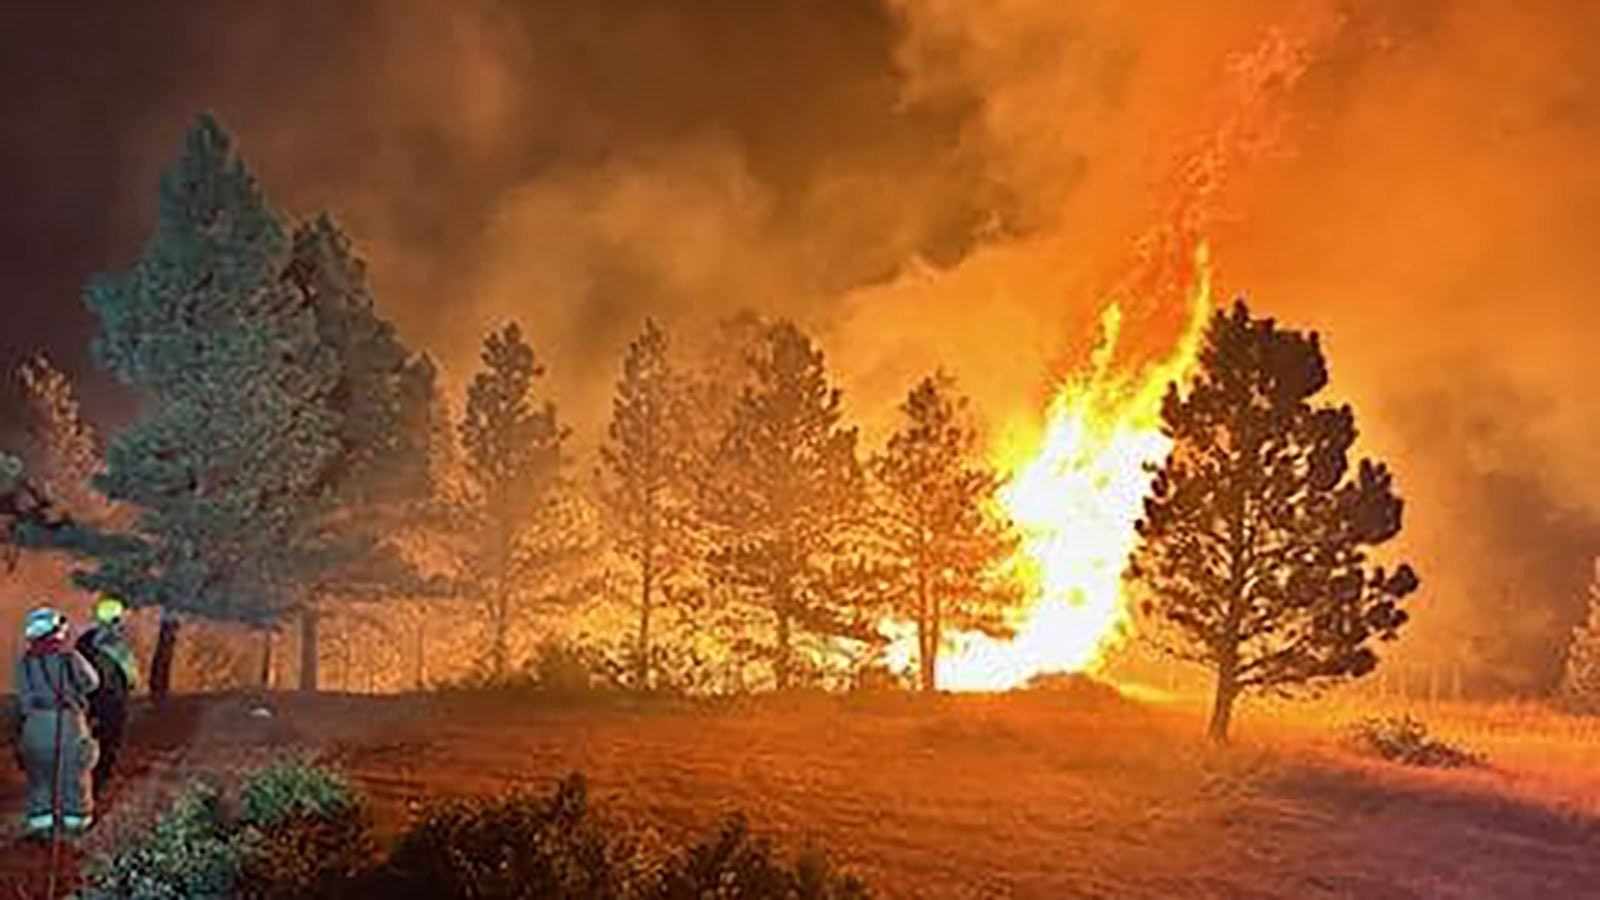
(1041, 795)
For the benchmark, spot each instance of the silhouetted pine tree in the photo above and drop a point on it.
(787, 497)
(343, 543)
(249, 365)
(645, 486)
(207, 332)
(947, 545)
(1256, 534)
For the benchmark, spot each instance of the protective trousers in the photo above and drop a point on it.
(72, 778)
(110, 721)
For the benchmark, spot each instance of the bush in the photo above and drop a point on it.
(566, 667)
(283, 793)
(186, 855)
(734, 865)
(524, 847)
(557, 667)
(517, 846)
(304, 833)
(295, 831)
(1404, 739)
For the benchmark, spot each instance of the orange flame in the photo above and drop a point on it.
(1075, 492)
(1077, 487)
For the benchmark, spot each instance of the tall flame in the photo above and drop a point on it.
(1076, 489)
(1075, 492)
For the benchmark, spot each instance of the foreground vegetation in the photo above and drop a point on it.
(301, 831)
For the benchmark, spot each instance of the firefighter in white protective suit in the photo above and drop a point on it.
(54, 744)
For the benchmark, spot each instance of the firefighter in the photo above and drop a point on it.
(53, 683)
(105, 646)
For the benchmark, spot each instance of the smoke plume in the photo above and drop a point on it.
(922, 183)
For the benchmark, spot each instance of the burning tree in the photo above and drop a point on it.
(645, 486)
(1256, 534)
(1580, 681)
(786, 497)
(947, 549)
(513, 460)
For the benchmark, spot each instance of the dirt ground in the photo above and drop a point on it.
(1048, 796)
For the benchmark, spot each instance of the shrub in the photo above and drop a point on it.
(514, 847)
(304, 833)
(566, 667)
(295, 831)
(1404, 739)
(282, 793)
(185, 855)
(556, 667)
(734, 865)
(298, 831)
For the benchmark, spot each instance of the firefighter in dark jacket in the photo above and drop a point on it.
(55, 747)
(105, 646)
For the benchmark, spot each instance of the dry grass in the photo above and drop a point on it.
(1017, 796)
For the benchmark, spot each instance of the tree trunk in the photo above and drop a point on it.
(642, 676)
(1222, 702)
(499, 650)
(419, 674)
(500, 601)
(266, 659)
(309, 647)
(925, 661)
(781, 663)
(926, 654)
(161, 660)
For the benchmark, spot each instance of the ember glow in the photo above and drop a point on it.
(1075, 492)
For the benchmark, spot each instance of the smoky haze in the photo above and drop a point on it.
(919, 182)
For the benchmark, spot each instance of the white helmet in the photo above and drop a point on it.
(43, 622)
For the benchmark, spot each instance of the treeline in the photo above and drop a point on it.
(293, 457)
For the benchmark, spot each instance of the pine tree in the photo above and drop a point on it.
(788, 498)
(343, 543)
(1256, 537)
(513, 455)
(1580, 682)
(228, 364)
(645, 487)
(271, 405)
(947, 546)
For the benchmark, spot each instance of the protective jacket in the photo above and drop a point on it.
(107, 650)
(53, 683)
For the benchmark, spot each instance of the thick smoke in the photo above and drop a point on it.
(1427, 205)
(576, 165)
(921, 182)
